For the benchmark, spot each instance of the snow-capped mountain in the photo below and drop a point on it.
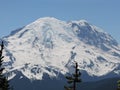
(50, 46)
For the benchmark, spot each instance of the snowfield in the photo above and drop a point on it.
(51, 46)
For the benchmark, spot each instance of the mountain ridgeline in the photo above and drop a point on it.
(48, 47)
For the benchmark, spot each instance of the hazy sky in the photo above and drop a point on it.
(102, 13)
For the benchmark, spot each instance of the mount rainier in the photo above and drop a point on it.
(49, 46)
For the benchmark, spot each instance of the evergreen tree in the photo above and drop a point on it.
(3, 81)
(73, 79)
(118, 85)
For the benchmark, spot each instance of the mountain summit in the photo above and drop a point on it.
(50, 46)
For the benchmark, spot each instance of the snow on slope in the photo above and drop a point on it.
(51, 46)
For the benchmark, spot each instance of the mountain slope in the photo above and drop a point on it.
(50, 46)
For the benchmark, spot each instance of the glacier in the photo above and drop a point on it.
(51, 46)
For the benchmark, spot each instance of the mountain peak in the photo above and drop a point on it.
(46, 19)
(81, 22)
(49, 46)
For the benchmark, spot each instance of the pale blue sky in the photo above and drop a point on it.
(102, 13)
